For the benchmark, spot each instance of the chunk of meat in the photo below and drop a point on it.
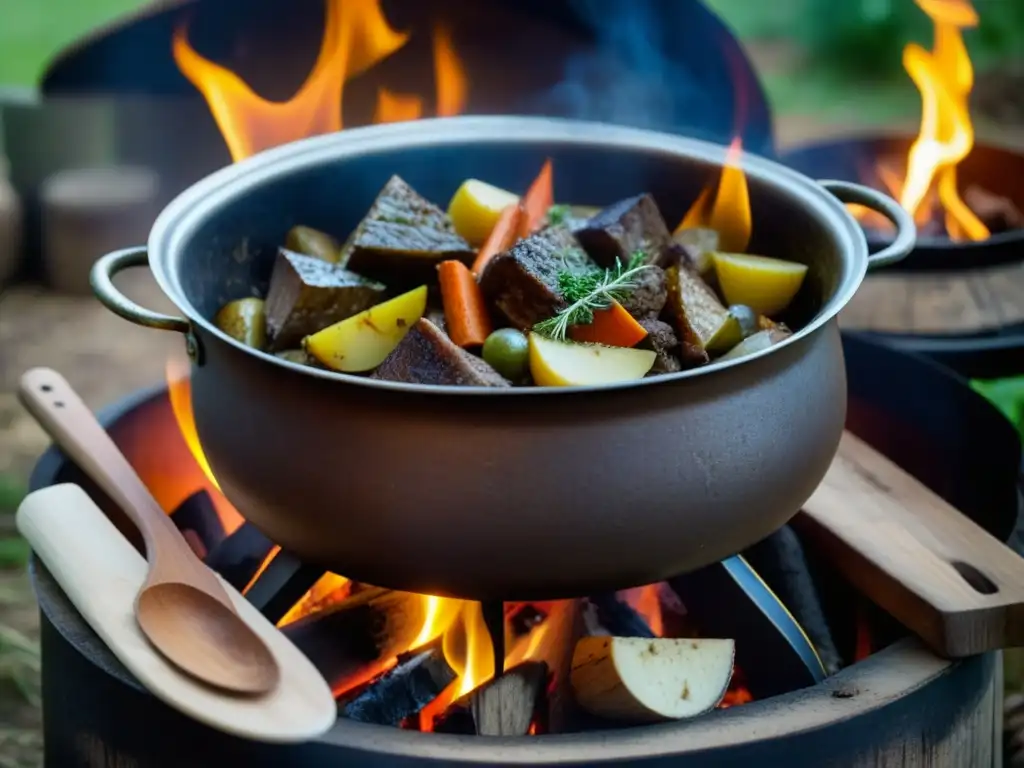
(522, 282)
(622, 229)
(427, 356)
(649, 296)
(663, 340)
(403, 238)
(307, 294)
(700, 319)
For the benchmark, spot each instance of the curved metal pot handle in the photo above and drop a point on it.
(906, 230)
(102, 282)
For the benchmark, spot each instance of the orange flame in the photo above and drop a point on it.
(327, 591)
(356, 37)
(728, 212)
(944, 76)
(397, 107)
(449, 73)
(647, 602)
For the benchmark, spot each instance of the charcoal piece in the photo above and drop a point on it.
(456, 720)
(308, 294)
(350, 641)
(239, 556)
(648, 298)
(779, 560)
(280, 585)
(198, 514)
(427, 356)
(522, 282)
(508, 704)
(998, 213)
(624, 228)
(618, 617)
(402, 691)
(663, 340)
(403, 238)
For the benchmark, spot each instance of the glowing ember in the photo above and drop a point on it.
(728, 211)
(646, 601)
(329, 590)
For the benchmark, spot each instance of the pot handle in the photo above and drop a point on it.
(102, 282)
(906, 230)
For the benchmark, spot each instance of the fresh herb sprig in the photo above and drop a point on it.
(558, 214)
(591, 291)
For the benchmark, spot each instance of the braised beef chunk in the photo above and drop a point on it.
(693, 246)
(650, 294)
(622, 229)
(663, 340)
(522, 282)
(307, 294)
(402, 238)
(427, 356)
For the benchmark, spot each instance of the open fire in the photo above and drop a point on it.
(925, 181)
(423, 631)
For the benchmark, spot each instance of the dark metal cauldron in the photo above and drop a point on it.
(519, 493)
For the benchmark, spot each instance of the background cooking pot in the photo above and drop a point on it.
(521, 493)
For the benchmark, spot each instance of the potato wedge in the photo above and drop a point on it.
(767, 285)
(643, 679)
(566, 364)
(360, 343)
(475, 208)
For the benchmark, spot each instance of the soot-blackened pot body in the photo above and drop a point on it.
(520, 493)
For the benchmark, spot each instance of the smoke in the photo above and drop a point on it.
(660, 64)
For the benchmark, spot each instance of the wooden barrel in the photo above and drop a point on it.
(924, 302)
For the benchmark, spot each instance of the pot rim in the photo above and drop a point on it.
(182, 216)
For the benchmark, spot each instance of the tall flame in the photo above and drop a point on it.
(728, 211)
(944, 77)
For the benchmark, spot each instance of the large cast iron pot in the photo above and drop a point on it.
(519, 493)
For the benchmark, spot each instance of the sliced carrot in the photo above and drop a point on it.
(501, 238)
(465, 313)
(614, 327)
(537, 201)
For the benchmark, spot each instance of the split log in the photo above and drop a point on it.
(403, 690)
(646, 680)
(351, 642)
(198, 515)
(507, 705)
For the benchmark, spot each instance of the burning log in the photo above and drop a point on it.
(239, 557)
(646, 680)
(507, 705)
(615, 617)
(780, 561)
(198, 515)
(403, 690)
(352, 642)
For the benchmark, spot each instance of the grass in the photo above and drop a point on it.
(31, 31)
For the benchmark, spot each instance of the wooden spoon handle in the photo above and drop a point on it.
(932, 568)
(60, 411)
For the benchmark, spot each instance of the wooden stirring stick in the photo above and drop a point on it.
(182, 608)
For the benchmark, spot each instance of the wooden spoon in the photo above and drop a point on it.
(182, 608)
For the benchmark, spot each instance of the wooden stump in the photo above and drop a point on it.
(10, 227)
(89, 212)
(938, 302)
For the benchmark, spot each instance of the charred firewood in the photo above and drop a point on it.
(280, 585)
(239, 556)
(618, 618)
(779, 560)
(402, 691)
(198, 515)
(351, 641)
(507, 705)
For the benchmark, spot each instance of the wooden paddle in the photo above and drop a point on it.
(936, 571)
(101, 573)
